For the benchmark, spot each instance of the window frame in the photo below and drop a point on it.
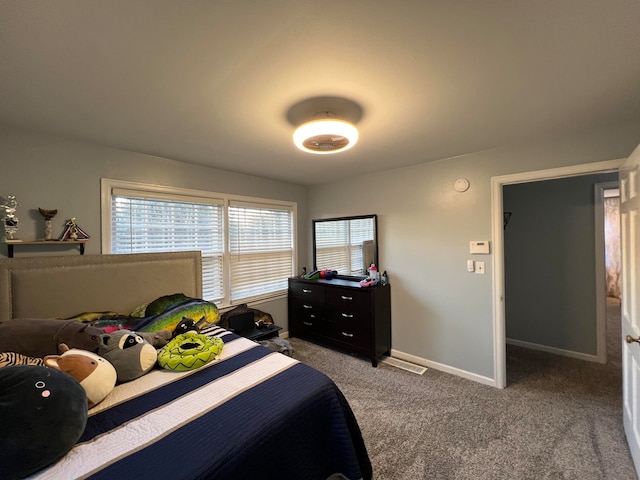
(107, 186)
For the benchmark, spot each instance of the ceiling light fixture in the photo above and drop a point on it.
(325, 135)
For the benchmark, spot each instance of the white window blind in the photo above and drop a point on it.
(339, 245)
(332, 247)
(360, 233)
(247, 244)
(159, 223)
(260, 249)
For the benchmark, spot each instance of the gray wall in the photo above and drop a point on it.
(440, 313)
(549, 258)
(51, 172)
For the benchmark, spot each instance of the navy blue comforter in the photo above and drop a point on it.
(240, 418)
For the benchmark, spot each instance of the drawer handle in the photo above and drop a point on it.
(306, 290)
(309, 324)
(350, 335)
(311, 315)
(344, 297)
(307, 306)
(347, 315)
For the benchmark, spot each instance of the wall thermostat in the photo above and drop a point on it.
(461, 185)
(479, 247)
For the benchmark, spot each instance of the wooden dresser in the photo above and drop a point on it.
(341, 314)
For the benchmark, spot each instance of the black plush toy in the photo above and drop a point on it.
(43, 413)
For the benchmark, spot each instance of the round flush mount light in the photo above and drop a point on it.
(325, 135)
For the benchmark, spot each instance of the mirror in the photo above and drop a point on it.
(346, 244)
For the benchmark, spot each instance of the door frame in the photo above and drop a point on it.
(497, 228)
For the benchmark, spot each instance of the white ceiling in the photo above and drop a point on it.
(212, 82)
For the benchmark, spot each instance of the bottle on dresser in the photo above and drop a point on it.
(373, 273)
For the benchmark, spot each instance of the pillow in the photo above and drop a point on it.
(43, 413)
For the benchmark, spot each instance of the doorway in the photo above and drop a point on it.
(498, 240)
(552, 243)
(608, 216)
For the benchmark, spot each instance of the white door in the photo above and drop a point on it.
(630, 237)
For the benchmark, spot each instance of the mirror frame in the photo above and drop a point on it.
(339, 219)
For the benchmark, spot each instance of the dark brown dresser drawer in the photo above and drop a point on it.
(312, 324)
(308, 293)
(306, 310)
(342, 315)
(356, 333)
(348, 299)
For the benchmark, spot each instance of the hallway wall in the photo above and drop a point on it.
(550, 296)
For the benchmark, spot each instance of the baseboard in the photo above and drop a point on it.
(557, 351)
(443, 368)
(435, 365)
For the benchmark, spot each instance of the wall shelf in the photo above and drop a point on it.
(49, 243)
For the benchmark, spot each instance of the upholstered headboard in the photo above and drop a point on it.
(44, 287)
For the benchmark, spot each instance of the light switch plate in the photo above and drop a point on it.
(479, 247)
(480, 268)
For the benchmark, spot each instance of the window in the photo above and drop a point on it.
(247, 245)
(260, 249)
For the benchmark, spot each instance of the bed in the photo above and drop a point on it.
(250, 414)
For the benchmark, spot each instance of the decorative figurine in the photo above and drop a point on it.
(48, 215)
(73, 231)
(10, 220)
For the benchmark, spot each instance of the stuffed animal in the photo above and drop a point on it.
(43, 413)
(186, 325)
(189, 351)
(165, 313)
(39, 337)
(158, 339)
(96, 375)
(10, 358)
(106, 321)
(129, 353)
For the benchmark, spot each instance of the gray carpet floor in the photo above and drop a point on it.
(559, 418)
